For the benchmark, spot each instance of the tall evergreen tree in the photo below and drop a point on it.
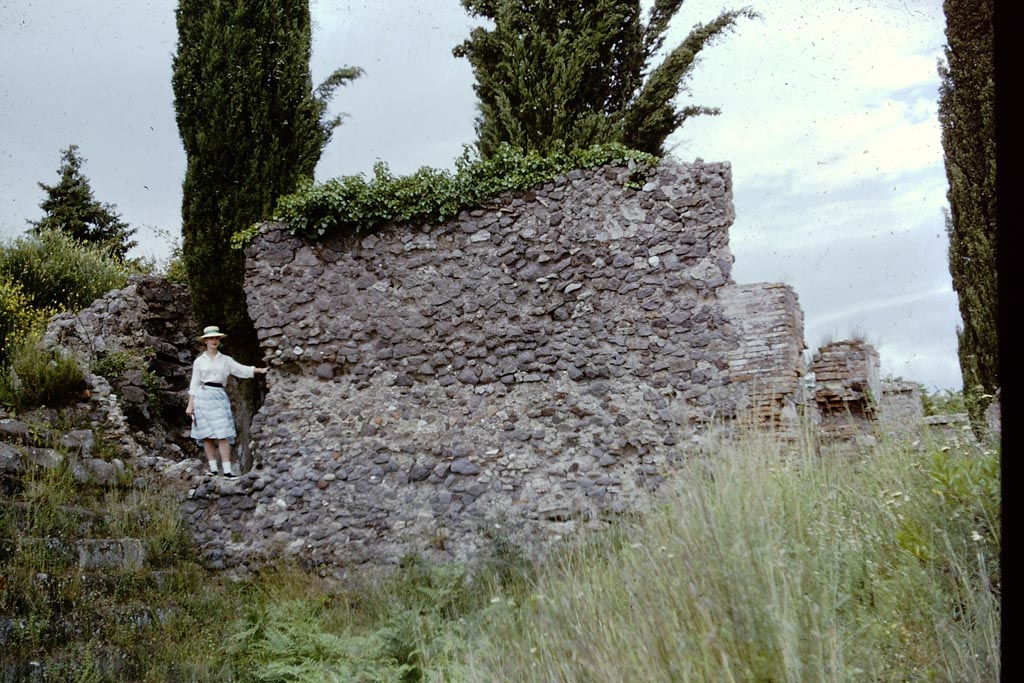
(71, 208)
(580, 72)
(967, 118)
(252, 126)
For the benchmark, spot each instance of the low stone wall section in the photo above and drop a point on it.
(900, 409)
(149, 322)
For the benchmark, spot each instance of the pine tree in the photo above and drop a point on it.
(71, 208)
(967, 118)
(577, 73)
(252, 127)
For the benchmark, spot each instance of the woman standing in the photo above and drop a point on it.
(212, 423)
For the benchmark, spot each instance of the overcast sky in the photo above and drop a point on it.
(828, 118)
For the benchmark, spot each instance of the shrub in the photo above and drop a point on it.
(174, 270)
(17, 316)
(113, 364)
(56, 272)
(970, 486)
(944, 402)
(352, 205)
(38, 376)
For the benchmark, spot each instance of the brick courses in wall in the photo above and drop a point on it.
(769, 361)
(847, 388)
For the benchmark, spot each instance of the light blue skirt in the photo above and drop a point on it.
(212, 417)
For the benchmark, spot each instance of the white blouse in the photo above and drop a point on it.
(217, 369)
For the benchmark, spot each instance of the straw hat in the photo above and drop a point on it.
(211, 332)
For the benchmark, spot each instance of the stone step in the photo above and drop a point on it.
(90, 554)
(75, 520)
(111, 553)
(18, 461)
(33, 655)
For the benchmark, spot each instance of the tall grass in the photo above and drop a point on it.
(764, 562)
(762, 567)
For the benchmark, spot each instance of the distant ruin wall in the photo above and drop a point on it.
(768, 363)
(848, 390)
(901, 410)
(534, 364)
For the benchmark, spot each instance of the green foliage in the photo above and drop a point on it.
(944, 402)
(287, 642)
(48, 493)
(552, 71)
(173, 269)
(417, 607)
(765, 563)
(46, 273)
(131, 513)
(17, 316)
(71, 208)
(113, 364)
(56, 272)
(505, 568)
(967, 119)
(970, 485)
(352, 205)
(252, 127)
(38, 376)
(111, 625)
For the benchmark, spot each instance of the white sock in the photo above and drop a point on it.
(229, 468)
(213, 466)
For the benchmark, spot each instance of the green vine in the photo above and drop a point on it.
(351, 205)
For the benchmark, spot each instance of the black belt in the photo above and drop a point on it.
(213, 384)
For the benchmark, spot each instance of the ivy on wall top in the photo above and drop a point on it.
(351, 205)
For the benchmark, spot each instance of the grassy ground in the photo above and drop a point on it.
(764, 563)
(767, 567)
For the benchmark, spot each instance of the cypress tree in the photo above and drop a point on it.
(252, 127)
(71, 208)
(563, 72)
(967, 119)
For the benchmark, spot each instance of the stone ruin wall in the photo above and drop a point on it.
(533, 365)
(538, 364)
(149, 324)
(901, 410)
